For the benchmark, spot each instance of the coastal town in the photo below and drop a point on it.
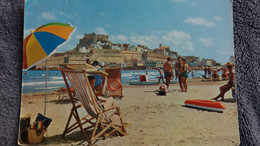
(98, 47)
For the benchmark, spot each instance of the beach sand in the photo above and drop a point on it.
(155, 120)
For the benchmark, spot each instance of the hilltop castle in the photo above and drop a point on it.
(98, 47)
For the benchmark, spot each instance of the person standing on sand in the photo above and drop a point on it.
(185, 73)
(178, 68)
(168, 71)
(231, 82)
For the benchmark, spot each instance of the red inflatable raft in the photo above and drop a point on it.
(206, 104)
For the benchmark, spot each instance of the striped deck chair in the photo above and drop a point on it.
(109, 120)
(114, 86)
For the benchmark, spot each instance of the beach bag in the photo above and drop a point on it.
(35, 136)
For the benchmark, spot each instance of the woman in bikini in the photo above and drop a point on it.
(185, 73)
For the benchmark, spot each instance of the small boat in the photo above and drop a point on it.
(152, 82)
(206, 104)
(142, 83)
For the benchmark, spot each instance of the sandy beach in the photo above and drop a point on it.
(155, 120)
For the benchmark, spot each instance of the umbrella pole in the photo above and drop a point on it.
(46, 63)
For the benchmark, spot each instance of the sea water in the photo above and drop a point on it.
(34, 80)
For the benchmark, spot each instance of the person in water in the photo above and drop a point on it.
(224, 74)
(231, 82)
(168, 71)
(178, 69)
(209, 71)
(185, 73)
(161, 76)
(205, 71)
(147, 76)
(105, 102)
(215, 76)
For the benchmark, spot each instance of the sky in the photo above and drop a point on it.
(202, 28)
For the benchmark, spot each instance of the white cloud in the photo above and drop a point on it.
(118, 38)
(122, 37)
(48, 15)
(206, 41)
(200, 21)
(151, 41)
(25, 0)
(179, 39)
(217, 18)
(100, 30)
(229, 53)
(189, 45)
(79, 36)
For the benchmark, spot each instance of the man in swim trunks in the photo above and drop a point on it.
(231, 82)
(168, 71)
(178, 69)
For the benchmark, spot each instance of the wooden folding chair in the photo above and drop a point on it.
(63, 93)
(114, 84)
(109, 120)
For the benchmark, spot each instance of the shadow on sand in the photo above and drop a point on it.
(63, 101)
(199, 109)
(229, 100)
(77, 138)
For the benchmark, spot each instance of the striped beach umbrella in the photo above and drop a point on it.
(43, 42)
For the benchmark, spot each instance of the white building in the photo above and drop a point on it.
(206, 62)
(116, 47)
(83, 50)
